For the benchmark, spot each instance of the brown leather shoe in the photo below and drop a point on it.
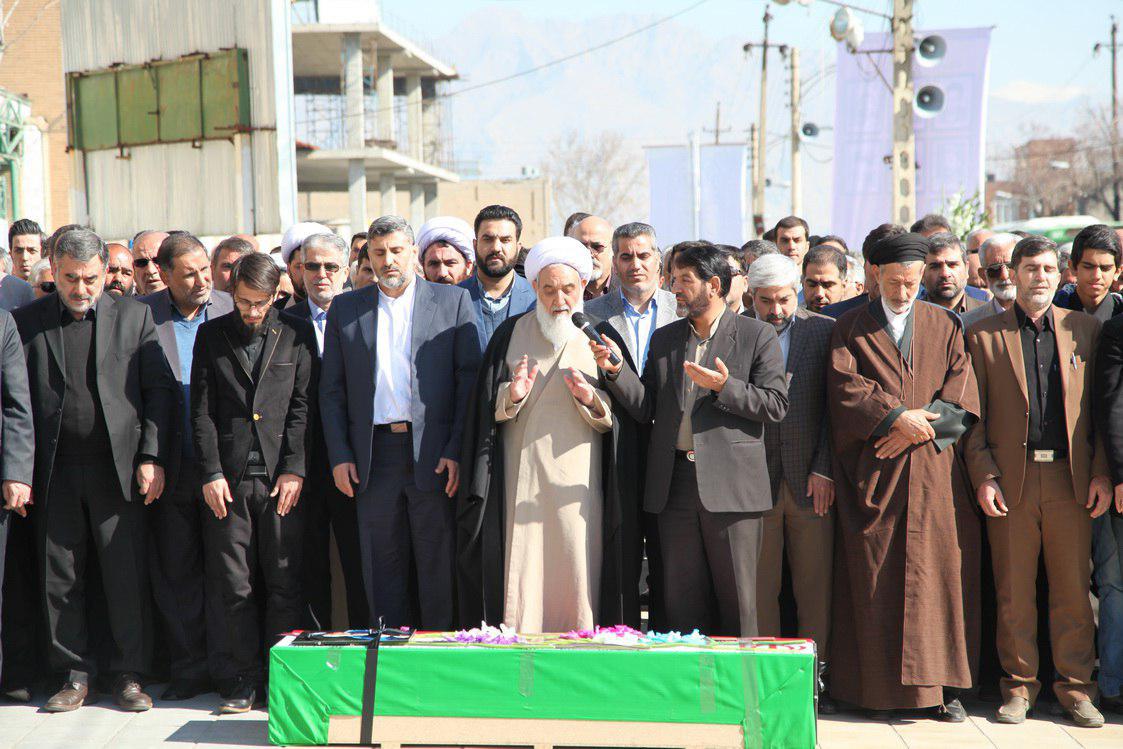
(72, 696)
(1013, 711)
(128, 694)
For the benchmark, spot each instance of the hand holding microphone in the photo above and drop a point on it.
(606, 353)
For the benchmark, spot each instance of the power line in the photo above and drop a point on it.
(532, 70)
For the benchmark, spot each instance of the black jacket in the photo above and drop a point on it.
(135, 385)
(229, 406)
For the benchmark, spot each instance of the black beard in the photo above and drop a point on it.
(116, 286)
(247, 332)
(499, 273)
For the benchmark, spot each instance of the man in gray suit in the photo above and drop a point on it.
(711, 383)
(399, 362)
(178, 310)
(636, 309)
(801, 524)
(994, 256)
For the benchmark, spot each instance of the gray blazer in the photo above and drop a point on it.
(800, 444)
(610, 309)
(15, 292)
(972, 316)
(728, 426)
(445, 356)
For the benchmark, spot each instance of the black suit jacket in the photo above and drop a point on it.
(17, 430)
(134, 384)
(228, 406)
(728, 427)
(161, 305)
(801, 443)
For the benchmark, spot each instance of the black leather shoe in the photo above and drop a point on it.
(952, 712)
(185, 689)
(18, 694)
(225, 687)
(827, 706)
(72, 696)
(241, 699)
(129, 695)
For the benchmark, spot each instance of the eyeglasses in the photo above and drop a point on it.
(47, 287)
(141, 262)
(994, 270)
(245, 304)
(329, 267)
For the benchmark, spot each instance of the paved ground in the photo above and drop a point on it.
(194, 723)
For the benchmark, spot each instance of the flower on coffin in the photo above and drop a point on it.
(620, 634)
(677, 638)
(485, 634)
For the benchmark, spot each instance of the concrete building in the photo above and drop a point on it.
(369, 115)
(35, 106)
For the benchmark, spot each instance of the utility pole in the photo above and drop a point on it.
(718, 129)
(760, 175)
(904, 134)
(1114, 116)
(797, 167)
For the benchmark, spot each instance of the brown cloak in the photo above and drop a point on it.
(907, 550)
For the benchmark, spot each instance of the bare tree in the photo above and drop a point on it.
(1092, 170)
(599, 174)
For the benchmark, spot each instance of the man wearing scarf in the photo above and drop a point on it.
(541, 517)
(901, 393)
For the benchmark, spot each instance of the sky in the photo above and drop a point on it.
(1043, 74)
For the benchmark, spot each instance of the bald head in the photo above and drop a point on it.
(596, 234)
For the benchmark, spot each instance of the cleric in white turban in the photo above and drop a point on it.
(444, 246)
(542, 525)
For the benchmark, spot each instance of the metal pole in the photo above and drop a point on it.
(904, 136)
(762, 130)
(797, 167)
(1114, 123)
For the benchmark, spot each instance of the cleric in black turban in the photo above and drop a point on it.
(903, 248)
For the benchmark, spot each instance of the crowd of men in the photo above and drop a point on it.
(562, 436)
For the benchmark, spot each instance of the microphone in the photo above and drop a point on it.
(582, 321)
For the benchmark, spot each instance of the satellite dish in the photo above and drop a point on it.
(931, 50)
(929, 101)
(809, 130)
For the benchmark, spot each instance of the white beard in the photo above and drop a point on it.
(1004, 294)
(557, 329)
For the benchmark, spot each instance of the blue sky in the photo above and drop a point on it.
(1042, 49)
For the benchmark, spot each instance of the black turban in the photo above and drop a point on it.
(903, 248)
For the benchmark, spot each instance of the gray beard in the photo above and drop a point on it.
(557, 329)
(1006, 294)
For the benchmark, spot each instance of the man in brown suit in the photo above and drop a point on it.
(1040, 475)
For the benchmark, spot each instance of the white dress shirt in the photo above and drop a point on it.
(319, 321)
(896, 320)
(393, 390)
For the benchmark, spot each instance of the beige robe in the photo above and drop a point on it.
(552, 463)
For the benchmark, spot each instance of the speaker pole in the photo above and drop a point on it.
(904, 132)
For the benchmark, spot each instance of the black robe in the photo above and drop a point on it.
(480, 521)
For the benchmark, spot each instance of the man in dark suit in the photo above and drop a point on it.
(327, 512)
(1096, 258)
(800, 526)
(711, 383)
(193, 626)
(17, 456)
(400, 359)
(102, 395)
(498, 292)
(250, 406)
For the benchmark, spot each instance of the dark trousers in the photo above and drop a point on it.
(328, 512)
(253, 559)
(404, 530)
(709, 561)
(653, 556)
(22, 630)
(84, 504)
(190, 613)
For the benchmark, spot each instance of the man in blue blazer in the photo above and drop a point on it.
(497, 291)
(399, 362)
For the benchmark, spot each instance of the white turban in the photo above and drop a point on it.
(296, 235)
(455, 231)
(555, 250)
